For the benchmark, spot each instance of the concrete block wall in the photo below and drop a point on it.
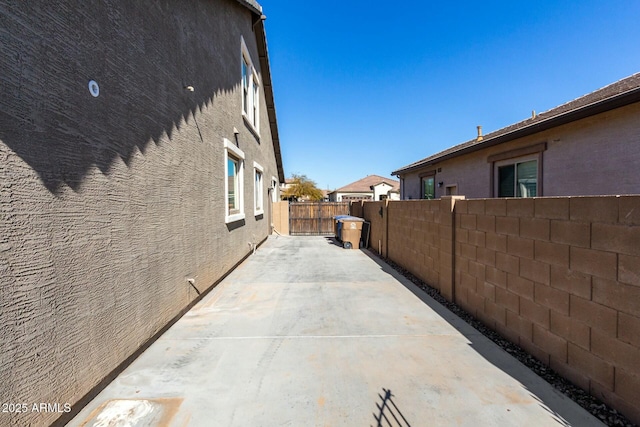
(420, 253)
(420, 219)
(375, 213)
(558, 276)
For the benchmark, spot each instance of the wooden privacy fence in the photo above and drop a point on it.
(314, 218)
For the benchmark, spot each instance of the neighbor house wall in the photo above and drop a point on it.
(109, 204)
(593, 156)
(381, 189)
(558, 276)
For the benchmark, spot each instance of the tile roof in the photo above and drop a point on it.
(364, 185)
(612, 96)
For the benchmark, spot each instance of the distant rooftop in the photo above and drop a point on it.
(364, 185)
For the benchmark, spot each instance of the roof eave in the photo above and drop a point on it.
(589, 110)
(252, 6)
(263, 54)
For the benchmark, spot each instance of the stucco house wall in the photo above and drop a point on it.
(381, 189)
(109, 204)
(597, 155)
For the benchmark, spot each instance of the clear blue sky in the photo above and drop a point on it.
(366, 87)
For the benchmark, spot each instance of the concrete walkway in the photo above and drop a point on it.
(305, 333)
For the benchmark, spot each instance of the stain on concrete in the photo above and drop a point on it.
(134, 412)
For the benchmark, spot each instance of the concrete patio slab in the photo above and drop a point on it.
(305, 333)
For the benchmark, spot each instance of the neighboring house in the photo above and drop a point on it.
(139, 157)
(284, 186)
(589, 146)
(372, 187)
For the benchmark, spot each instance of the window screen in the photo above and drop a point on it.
(518, 179)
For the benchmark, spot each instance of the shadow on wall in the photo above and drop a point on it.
(142, 55)
(387, 412)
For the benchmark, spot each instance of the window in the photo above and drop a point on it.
(428, 187)
(255, 102)
(245, 86)
(233, 166)
(258, 189)
(234, 182)
(250, 90)
(519, 179)
(518, 172)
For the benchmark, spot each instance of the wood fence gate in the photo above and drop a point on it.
(314, 218)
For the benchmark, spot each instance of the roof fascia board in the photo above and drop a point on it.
(252, 6)
(263, 55)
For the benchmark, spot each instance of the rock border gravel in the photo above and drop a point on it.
(594, 406)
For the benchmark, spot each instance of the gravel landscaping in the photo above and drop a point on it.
(607, 415)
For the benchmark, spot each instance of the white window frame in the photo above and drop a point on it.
(250, 102)
(231, 150)
(258, 188)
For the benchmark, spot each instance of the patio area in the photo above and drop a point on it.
(305, 333)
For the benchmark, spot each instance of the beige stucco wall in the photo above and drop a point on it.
(281, 218)
(380, 189)
(109, 204)
(593, 156)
